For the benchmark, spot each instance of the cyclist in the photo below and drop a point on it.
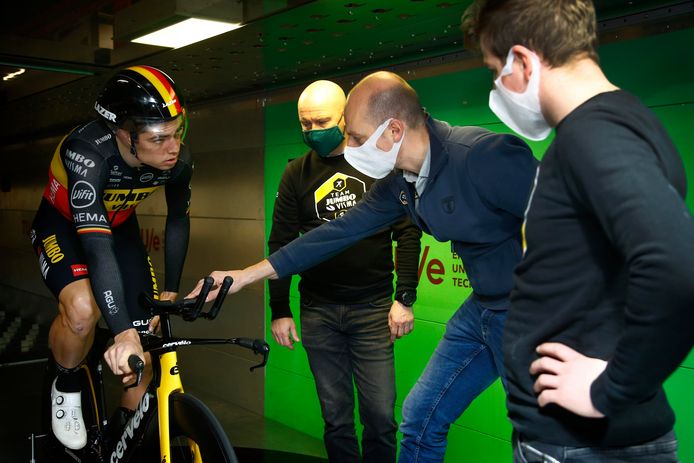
(87, 238)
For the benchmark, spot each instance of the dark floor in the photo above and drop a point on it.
(22, 365)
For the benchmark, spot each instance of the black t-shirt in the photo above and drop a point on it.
(607, 271)
(314, 191)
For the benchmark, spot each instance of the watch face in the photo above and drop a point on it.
(406, 299)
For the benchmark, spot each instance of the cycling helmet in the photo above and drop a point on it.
(139, 96)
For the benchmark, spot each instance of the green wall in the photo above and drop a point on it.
(653, 68)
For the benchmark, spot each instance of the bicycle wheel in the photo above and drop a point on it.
(192, 420)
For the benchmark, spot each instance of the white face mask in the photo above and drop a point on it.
(370, 159)
(520, 111)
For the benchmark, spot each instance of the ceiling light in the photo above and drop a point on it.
(12, 75)
(186, 32)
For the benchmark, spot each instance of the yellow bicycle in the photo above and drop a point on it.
(187, 431)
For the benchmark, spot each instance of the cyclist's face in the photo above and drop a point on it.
(159, 145)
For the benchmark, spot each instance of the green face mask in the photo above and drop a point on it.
(323, 141)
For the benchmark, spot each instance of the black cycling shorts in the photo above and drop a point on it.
(61, 259)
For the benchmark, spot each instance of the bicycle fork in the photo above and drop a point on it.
(170, 383)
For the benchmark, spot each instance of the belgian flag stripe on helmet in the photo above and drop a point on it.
(163, 86)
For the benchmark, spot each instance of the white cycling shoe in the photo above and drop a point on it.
(66, 418)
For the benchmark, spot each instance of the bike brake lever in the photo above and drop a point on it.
(260, 347)
(137, 365)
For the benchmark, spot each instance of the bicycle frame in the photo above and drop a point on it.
(166, 380)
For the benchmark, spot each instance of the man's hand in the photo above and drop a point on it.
(125, 344)
(284, 332)
(154, 323)
(218, 276)
(564, 377)
(400, 321)
(255, 272)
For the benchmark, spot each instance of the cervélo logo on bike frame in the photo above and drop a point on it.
(130, 429)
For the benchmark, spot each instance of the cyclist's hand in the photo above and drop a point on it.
(154, 323)
(168, 296)
(400, 321)
(284, 332)
(218, 276)
(125, 344)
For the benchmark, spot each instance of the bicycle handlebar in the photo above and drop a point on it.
(190, 309)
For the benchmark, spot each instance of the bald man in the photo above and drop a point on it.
(465, 185)
(346, 302)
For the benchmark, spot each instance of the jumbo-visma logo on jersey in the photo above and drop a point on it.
(337, 195)
(119, 200)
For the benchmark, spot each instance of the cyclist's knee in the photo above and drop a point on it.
(79, 313)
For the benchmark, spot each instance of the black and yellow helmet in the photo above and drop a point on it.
(140, 95)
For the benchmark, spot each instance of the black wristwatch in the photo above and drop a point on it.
(406, 298)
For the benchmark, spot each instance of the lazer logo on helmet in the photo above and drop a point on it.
(105, 112)
(169, 103)
(83, 195)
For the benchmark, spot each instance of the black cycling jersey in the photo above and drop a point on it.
(62, 259)
(93, 187)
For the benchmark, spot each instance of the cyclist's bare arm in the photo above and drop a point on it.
(164, 296)
(257, 272)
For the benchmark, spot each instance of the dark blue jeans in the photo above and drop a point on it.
(346, 342)
(660, 450)
(467, 360)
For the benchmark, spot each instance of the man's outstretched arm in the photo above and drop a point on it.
(256, 272)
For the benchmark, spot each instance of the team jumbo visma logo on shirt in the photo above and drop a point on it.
(337, 195)
(119, 199)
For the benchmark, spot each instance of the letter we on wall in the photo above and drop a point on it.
(152, 239)
(434, 268)
(437, 270)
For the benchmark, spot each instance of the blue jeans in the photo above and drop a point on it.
(660, 450)
(345, 342)
(467, 360)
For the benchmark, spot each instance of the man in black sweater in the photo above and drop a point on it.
(602, 307)
(349, 320)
